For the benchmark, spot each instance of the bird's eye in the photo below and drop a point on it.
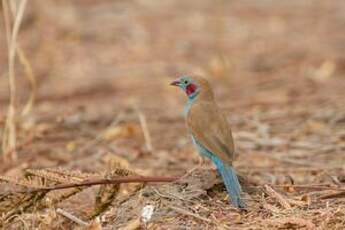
(185, 81)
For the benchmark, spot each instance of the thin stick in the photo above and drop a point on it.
(71, 217)
(31, 78)
(282, 201)
(333, 195)
(119, 180)
(27, 66)
(9, 139)
(146, 132)
(324, 186)
(292, 169)
(7, 20)
(306, 186)
(188, 213)
(7, 127)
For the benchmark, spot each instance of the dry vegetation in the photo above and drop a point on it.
(99, 74)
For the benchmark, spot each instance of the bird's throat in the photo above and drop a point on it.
(191, 90)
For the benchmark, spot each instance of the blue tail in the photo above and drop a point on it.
(228, 174)
(231, 183)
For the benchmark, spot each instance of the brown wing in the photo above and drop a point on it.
(209, 126)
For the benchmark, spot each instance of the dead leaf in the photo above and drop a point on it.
(121, 131)
(71, 146)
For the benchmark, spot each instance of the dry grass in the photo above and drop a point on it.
(15, 10)
(278, 71)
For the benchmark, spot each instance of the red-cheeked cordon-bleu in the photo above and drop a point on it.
(210, 131)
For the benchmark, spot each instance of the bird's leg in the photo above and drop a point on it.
(201, 162)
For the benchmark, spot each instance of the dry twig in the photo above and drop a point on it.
(306, 186)
(333, 195)
(9, 137)
(188, 213)
(272, 193)
(146, 132)
(119, 180)
(71, 217)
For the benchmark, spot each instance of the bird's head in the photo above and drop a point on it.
(189, 85)
(194, 86)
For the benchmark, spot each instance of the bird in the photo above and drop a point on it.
(210, 132)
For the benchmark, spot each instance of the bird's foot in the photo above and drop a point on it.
(190, 172)
(199, 167)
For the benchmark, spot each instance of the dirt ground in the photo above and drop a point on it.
(103, 101)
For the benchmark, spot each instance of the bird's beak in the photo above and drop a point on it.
(175, 83)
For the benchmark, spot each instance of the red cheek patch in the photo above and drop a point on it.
(190, 89)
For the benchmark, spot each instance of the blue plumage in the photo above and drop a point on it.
(228, 174)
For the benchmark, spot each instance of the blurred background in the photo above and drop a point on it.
(256, 50)
(277, 67)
